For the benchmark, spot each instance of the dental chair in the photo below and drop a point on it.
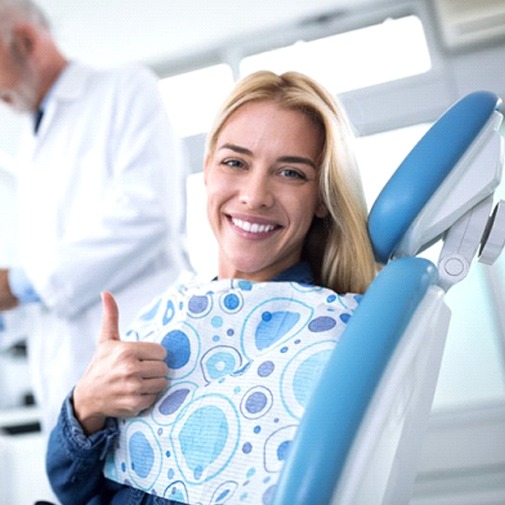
(360, 438)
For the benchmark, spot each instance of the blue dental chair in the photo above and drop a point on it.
(360, 438)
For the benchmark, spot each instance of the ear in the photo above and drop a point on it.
(321, 210)
(24, 40)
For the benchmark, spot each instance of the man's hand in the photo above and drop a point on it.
(122, 379)
(7, 300)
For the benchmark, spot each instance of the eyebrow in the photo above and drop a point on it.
(283, 159)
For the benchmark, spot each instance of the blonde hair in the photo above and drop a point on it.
(337, 246)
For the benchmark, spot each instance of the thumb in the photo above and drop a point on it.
(110, 318)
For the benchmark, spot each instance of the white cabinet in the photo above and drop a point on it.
(22, 459)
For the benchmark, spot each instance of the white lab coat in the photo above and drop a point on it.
(101, 207)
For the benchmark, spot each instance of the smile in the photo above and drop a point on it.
(252, 227)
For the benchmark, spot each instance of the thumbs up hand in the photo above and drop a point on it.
(122, 379)
(110, 319)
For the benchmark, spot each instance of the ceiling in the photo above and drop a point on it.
(155, 31)
(158, 33)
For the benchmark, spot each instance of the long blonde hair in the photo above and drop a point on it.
(337, 246)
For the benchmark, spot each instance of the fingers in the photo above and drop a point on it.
(130, 405)
(137, 362)
(143, 402)
(110, 331)
(149, 351)
(153, 369)
(154, 386)
(110, 318)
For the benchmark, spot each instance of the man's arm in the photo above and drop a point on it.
(8, 300)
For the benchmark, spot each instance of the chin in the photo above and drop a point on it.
(243, 270)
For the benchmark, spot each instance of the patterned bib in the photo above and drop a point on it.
(243, 359)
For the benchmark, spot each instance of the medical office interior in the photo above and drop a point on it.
(396, 65)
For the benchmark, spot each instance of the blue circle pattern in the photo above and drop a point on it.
(142, 454)
(198, 457)
(178, 343)
(172, 402)
(243, 359)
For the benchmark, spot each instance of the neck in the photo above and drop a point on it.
(50, 74)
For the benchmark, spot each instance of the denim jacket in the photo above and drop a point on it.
(75, 461)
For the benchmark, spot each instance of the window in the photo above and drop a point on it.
(375, 54)
(380, 154)
(192, 98)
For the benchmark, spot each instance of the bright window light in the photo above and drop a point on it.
(379, 155)
(193, 98)
(376, 54)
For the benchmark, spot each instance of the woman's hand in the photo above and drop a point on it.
(122, 379)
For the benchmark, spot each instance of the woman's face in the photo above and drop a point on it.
(262, 188)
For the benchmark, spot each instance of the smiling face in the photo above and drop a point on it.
(262, 189)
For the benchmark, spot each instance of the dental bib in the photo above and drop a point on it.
(243, 360)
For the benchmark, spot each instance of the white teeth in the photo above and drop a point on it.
(252, 227)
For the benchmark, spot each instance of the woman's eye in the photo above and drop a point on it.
(291, 173)
(233, 163)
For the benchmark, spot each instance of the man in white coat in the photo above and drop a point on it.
(101, 198)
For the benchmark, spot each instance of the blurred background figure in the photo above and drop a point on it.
(100, 198)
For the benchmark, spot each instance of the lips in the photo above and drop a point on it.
(254, 227)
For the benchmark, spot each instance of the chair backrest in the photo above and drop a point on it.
(360, 437)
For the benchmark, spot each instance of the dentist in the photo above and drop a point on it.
(100, 197)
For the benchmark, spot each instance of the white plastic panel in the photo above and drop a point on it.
(391, 434)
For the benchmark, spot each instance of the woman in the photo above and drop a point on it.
(286, 206)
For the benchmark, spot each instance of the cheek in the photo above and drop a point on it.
(301, 212)
(217, 194)
(309, 206)
(5, 80)
(9, 76)
(211, 203)
(219, 185)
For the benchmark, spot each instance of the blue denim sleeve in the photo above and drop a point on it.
(74, 461)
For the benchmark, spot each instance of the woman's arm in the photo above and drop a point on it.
(74, 461)
(122, 379)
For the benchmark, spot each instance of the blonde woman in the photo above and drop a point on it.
(286, 206)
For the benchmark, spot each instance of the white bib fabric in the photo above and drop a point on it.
(243, 358)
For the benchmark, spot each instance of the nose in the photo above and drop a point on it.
(256, 191)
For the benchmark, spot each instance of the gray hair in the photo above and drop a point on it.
(16, 11)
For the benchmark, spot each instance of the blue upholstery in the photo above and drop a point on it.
(348, 382)
(424, 169)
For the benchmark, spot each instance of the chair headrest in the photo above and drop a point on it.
(424, 170)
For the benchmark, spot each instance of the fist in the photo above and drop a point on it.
(122, 379)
